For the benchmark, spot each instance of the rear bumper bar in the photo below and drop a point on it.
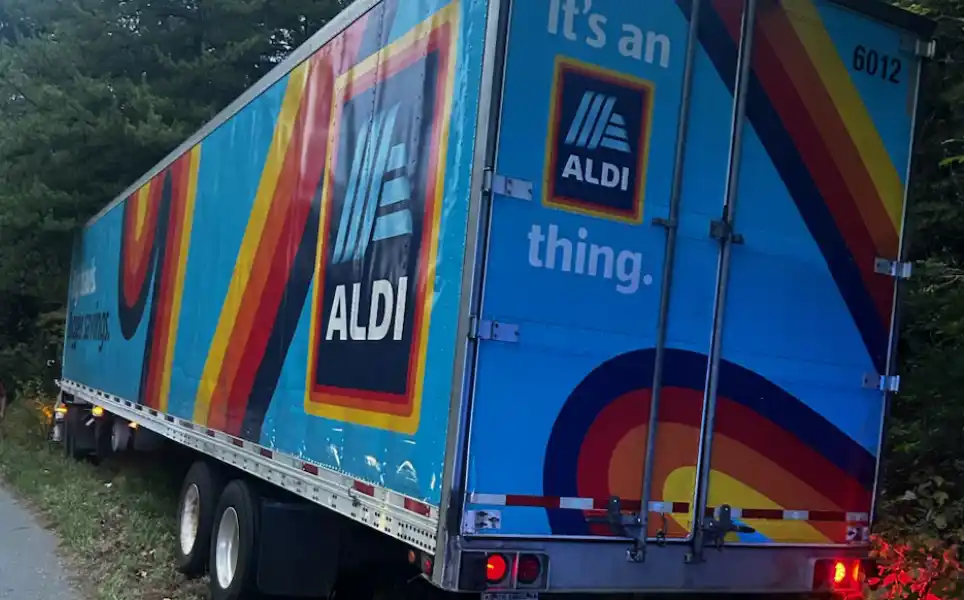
(602, 567)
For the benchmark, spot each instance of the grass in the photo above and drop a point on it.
(115, 520)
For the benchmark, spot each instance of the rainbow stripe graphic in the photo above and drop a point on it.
(771, 451)
(397, 412)
(154, 248)
(274, 265)
(819, 134)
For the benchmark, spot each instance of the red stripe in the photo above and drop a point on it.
(826, 515)
(417, 507)
(237, 443)
(364, 488)
(539, 501)
(817, 157)
(266, 453)
(166, 271)
(309, 468)
(759, 513)
(301, 174)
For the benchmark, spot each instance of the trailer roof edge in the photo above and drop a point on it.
(339, 23)
(892, 15)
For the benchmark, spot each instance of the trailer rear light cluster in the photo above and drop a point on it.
(843, 576)
(501, 570)
(425, 562)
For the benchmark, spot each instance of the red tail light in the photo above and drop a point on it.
(503, 570)
(838, 575)
(529, 569)
(496, 568)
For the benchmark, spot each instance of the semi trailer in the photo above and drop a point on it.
(532, 296)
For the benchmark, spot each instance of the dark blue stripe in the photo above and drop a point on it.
(686, 370)
(783, 152)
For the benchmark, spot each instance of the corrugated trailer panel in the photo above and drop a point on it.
(787, 217)
(293, 277)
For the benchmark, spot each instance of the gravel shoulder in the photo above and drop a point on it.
(30, 567)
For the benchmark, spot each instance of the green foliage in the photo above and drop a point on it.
(93, 93)
(922, 509)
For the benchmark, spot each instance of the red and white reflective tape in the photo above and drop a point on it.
(597, 504)
(381, 495)
(571, 503)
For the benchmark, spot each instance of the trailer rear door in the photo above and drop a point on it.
(804, 329)
(762, 325)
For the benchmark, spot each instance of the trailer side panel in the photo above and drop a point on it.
(293, 278)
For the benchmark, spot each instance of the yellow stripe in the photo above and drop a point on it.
(186, 226)
(806, 21)
(284, 129)
(141, 201)
(725, 489)
(402, 424)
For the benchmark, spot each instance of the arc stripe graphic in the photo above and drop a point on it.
(174, 209)
(194, 158)
(804, 18)
(810, 118)
(281, 259)
(212, 396)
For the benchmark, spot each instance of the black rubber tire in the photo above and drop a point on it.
(65, 435)
(243, 498)
(73, 421)
(103, 429)
(209, 481)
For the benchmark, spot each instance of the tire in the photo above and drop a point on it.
(102, 436)
(235, 525)
(72, 424)
(66, 437)
(200, 493)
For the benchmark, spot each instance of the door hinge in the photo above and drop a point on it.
(723, 230)
(925, 49)
(917, 47)
(513, 187)
(497, 331)
(894, 268)
(881, 383)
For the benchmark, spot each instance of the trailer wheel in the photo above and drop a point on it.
(233, 543)
(102, 434)
(74, 433)
(195, 517)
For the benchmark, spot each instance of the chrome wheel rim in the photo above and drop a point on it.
(226, 548)
(190, 518)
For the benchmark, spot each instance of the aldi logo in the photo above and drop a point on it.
(598, 142)
(378, 236)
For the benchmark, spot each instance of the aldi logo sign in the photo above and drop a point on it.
(598, 142)
(380, 218)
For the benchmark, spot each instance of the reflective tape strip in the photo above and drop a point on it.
(662, 507)
(572, 503)
(340, 492)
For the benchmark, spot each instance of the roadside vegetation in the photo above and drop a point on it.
(115, 520)
(93, 92)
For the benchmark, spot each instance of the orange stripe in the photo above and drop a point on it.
(189, 187)
(805, 19)
(776, 27)
(165, 271)
(269, 244)
(243, 269)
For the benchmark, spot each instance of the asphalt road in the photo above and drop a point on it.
(29, 566)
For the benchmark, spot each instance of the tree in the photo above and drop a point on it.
(93, 93)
